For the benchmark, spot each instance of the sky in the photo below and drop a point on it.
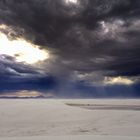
(70, 48)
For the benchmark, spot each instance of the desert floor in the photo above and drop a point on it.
(69, 119)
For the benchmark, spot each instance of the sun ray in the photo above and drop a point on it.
(21, 50)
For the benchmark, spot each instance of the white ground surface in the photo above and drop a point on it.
(41, 119)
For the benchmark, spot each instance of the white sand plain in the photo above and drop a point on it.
(53, 119)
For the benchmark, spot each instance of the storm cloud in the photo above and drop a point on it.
(90, 41)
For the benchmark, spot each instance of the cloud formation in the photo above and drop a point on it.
(88, 40)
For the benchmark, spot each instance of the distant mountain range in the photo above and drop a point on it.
(37, 97)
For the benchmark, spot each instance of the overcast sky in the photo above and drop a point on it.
(76, 48)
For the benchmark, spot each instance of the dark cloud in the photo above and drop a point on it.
(17, 76)
(94, 37)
